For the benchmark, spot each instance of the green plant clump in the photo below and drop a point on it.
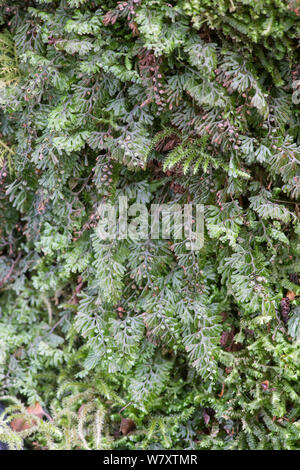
(129, 343)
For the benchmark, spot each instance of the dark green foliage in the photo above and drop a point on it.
(157, 101)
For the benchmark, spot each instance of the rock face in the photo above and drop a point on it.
(2, 445)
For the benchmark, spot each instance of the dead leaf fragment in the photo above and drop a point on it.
(22, 423)
(222, 391)
(126, 426)
(265, 385)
